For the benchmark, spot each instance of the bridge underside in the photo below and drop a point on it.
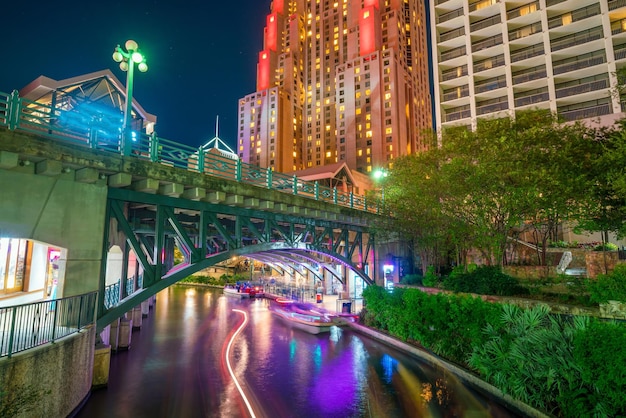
(152, 226)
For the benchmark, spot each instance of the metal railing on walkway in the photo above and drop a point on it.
(31, 325)
(104, 133)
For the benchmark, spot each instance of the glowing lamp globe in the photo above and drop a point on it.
(130, 45)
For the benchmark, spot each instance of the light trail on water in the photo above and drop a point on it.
(230, 369)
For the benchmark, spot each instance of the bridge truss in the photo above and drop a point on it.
(207, 234)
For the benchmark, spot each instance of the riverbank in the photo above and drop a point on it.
(463, 374)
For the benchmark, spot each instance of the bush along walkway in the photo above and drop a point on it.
(564, 366)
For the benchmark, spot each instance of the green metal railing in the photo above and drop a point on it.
(31, 325)
(104, 132)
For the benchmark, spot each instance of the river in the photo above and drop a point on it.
(200, 353)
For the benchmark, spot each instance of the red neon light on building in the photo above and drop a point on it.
(370, 3)
(278, 6)
(367, 31)
(263, 71)
(271, 32)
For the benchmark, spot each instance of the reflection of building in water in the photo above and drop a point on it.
(29, 270)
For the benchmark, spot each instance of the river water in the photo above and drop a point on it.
(200, 353)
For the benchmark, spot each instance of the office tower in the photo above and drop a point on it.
(494, 57)
(338, 81)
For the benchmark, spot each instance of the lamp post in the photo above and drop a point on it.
(127, 59)
(380, 174)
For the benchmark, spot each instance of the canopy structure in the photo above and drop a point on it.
(99, 95)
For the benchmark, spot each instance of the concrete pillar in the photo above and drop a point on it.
(101, 366)
(137, 317)
(145, 308)
(105, 335)
(114, 333)
(125, 333)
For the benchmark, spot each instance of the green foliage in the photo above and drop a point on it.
(412, 279)
(484, 280)
(607, 246)
(448, 325)
(529, 356)
(213, 281)
(430, 278)
(599, 352)
(611, 286)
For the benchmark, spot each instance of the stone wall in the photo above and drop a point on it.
(53, 379)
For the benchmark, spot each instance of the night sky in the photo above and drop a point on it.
(201, 54)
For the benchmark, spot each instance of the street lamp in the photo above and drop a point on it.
(380, 174)
(127, 60)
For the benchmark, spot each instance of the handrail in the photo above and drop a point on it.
(104, 132)
(34, 324)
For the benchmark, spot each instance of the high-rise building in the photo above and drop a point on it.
(338, 81)
(492, 57)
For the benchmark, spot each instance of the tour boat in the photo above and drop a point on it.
(236, 291)
(304, 317)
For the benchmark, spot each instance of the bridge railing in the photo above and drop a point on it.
(102, 129)
(30, 325)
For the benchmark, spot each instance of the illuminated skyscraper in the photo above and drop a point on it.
(493, 57)
(338, 81)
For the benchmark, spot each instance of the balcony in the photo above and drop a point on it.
(588, 112)
(456, 93)
(616, 4)
(618, 27)
(485, 23)
(446, 36)
(449, 15)
(576, 39)
(489, 63)
(490, 84)
(525, 31)
(581, 88)
(532, 97)
(454, 73)
(528, 52)
(522, 10)
(481, 4)
(494, 105)
(550, 3)
(620, 52)
(577, 63)
(453, 53)
(487, 43)
(529, 74)
(574, 16)
(457, 113)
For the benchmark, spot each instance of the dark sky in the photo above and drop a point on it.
(201, 54)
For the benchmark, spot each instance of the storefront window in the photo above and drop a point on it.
(13, 254)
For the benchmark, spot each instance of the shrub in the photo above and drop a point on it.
(430, 278)
(412, 279)
(607, 246)
(611, 286)
(484, 280)
(599, 353)
(530, 356)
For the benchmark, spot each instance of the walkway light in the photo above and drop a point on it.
(127, 59)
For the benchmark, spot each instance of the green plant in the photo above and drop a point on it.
(430, 278)
(611, 286)
(412, 279)
(529, 356)
(484, 280)
(607, 246)
(599, 353)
